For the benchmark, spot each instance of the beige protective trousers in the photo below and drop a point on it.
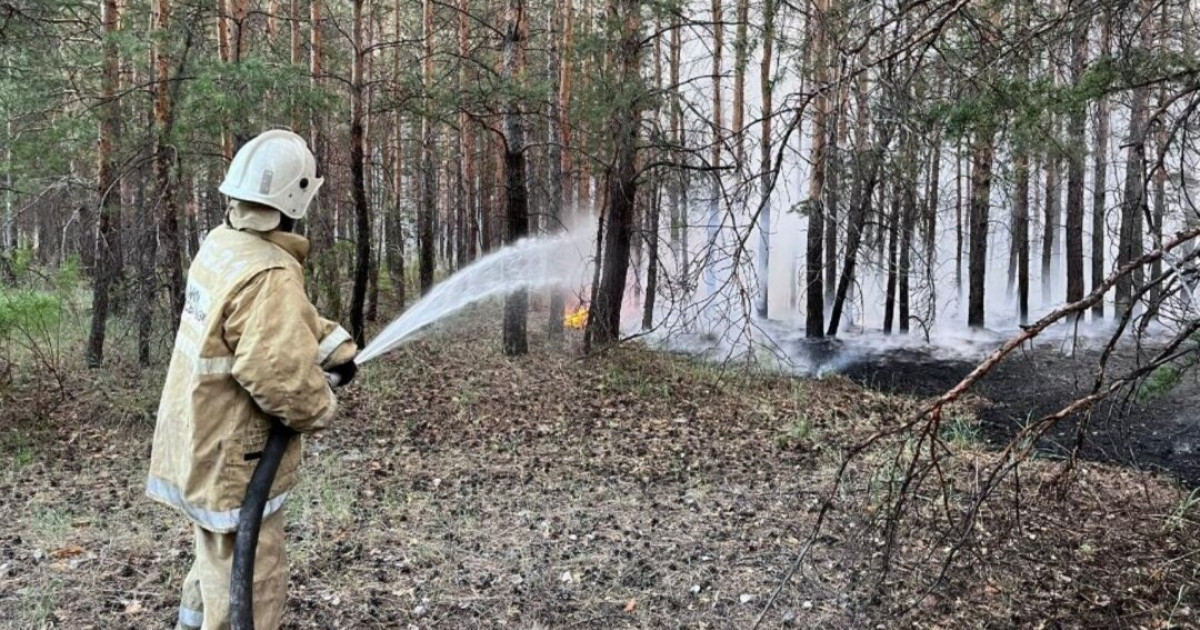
(205, 603)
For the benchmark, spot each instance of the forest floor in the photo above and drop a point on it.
(633, 489)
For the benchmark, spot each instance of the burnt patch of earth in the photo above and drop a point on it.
(1159, 432)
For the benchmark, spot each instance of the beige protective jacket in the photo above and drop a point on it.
(250, 346)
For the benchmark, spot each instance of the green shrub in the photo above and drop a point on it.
(1161, 381)
(29, 312)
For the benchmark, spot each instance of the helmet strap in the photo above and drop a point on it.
(286, 223)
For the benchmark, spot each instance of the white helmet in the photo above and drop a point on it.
(275, 169)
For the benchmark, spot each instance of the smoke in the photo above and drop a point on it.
(708, 287)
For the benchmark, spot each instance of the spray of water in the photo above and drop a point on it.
(532, 264)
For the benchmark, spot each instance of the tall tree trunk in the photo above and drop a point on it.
(168, 220)
(679, 205)
(604, 322)
(467, 137)
(652, 263)
(893, 231)
(516, 304)
(714, 204)
(981, 190)
(1076, 131)
(932, 207)
(324, 226)
(815, 312)
(372, 188)
(1160, 199)
(1162, 103)
(766, 83)
(10, 217)
(833, 184)
(1100, 176)
(297, 56)
(1051, 218)
(958, 219)
(741, 52)
(560, 20)
(1133, 203)
(358, 159)
(1021, 234)
(654, 215)
(394, 226)
(428, 208)
(225, 51)
(860, 208)
(108, 232)
(395, 218)
(908, 215)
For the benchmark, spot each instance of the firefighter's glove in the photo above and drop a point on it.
(341, 375)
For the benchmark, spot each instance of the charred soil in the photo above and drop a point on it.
(1150, 428)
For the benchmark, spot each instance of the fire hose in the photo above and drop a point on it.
(245, 545)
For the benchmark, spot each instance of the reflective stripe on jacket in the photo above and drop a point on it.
(250, 346)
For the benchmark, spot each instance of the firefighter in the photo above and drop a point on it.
(250, 347)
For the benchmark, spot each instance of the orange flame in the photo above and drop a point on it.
(577, 319)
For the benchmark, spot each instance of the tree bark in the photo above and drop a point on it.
(981, 190)
(1051, 218)
(714, 203)
(1076, 124)
(1100, 177)
(958, 220)
(394, 221)
(428, 209)
(560, 18)
(467, 137)
(516, 304)
(908, 213)
(766, 83)
(604, 322)
(168, 221)
(1159, 202)
(1133, 203)
(324, 227)
(358, 159)
(297, 56)
(860, 209)
(893, 231)
(1021, 234)
(932, 207)
(741, 52)
(225, 51)
(815, 311)
(679, 206)
(108, 232)
(652, 253)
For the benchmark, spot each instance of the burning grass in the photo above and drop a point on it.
(463, 489)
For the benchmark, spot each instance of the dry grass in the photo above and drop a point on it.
(463, 489)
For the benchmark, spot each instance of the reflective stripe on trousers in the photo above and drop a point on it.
(190, 619)
(212, 520)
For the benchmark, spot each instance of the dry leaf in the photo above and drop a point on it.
(67, 552)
